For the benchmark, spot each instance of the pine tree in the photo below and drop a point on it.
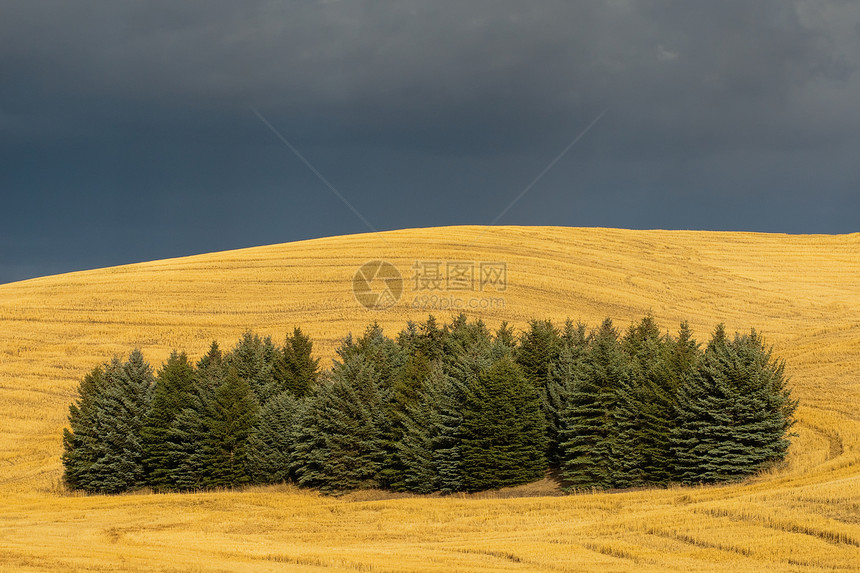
(432, 341)
(537, 353)
(644, 414)
(503, 439)
(271, 445)
(387, 359)
(341, 442)
(174, 387)
(294, 367)
(406, 393)
(468, 350)
(566, 372)
(734, 413)
(683, 355)
(587, 435)
(254, 360)
(229, 422)
(187, 436)
(119, 413)
(188, 433)
(81, 441)
(504, 341)
(423, 450)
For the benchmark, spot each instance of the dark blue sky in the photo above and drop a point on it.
(127, 130)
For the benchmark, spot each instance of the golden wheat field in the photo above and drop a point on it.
(801, 292)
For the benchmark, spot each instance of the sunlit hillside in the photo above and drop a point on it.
(801, 292)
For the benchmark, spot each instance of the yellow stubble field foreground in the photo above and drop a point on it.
(801, 292)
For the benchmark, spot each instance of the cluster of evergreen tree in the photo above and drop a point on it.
(188, 427)
(438, 408)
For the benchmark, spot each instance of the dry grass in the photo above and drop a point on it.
(802, 292)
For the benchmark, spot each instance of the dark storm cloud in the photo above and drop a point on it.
(132, 119)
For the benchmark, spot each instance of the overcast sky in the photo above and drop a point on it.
(128, 130)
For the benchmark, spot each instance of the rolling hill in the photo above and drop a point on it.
(801, 292)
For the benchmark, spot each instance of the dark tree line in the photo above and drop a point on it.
(447, 408)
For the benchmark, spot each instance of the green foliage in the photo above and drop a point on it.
(644, 412)
(341, 439)
(271, 445)
(174, 388)
(188, 433)
(81, 442)
(294, 369)
(735, 412)
(228, 421)
(538, 354)
(429, 450)
(503, 439)
(406, 393)
(566, 373)
(112, 459)
(392, 389)
(427, 338)
(450, 408)
(587, 435)
(254, 360)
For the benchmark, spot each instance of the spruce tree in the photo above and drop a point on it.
(684, 355)
(538, 349)
(409, 339)
(468, 349)
(407, 391)
(386, 356)
(174, 387)
(409, 384)
(120, 410)
(341, 439)
(422, 448)
(442, 409)
(503, 441)
(81, 439)
(566, 372)
(294, 367)
(447, 438)
(432, 339)
(229, 422)
(387, 359)
(310, 443)
(271, 445)
(504, 341)
(537, 354)
(735, 413)
(187, 436)
(189, 432)
(644, 413)
(586, 441)
(254, 360)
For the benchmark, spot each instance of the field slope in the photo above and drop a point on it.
(801, 292)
